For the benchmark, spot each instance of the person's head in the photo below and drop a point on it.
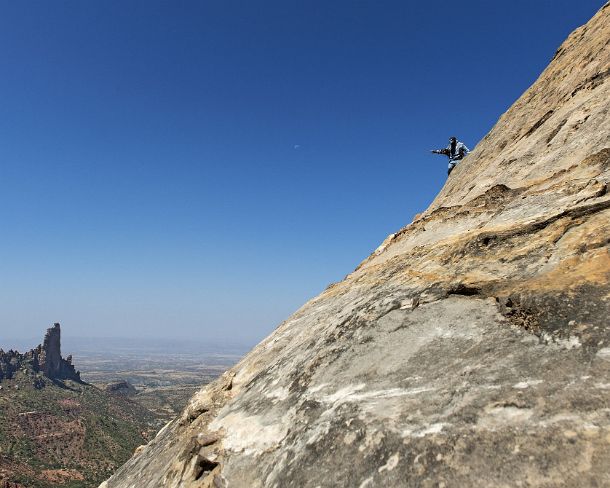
(453, 139)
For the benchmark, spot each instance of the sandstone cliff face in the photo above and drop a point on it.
(471, 349)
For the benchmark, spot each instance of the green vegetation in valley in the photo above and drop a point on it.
(65, 433)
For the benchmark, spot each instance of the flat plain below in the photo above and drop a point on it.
(165, 374)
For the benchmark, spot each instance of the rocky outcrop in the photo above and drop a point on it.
(49, 357)
(9, 363)
(120, 387)
(45, 359)
(472, 348)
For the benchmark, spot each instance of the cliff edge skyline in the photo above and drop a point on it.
(472, 348)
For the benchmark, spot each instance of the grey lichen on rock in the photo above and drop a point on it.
(471, 349)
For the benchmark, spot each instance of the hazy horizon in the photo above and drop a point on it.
(199, 170)
(74, 345)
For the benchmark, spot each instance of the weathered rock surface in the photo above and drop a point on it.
(472, 348)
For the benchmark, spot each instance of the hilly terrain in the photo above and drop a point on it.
(55, 429)
(472, 348)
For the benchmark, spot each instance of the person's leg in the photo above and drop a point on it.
(450, 168)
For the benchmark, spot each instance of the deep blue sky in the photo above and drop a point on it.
(198, 169)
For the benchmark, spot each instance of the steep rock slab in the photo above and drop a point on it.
(559, 121)
(471, 349)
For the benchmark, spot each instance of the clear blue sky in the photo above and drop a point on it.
(199, 169)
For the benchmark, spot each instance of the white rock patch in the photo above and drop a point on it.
(391, 463)
(249, 434)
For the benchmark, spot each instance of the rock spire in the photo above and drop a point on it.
(45, 359)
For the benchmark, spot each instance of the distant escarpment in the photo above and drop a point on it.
(45, 359)
(471, 349)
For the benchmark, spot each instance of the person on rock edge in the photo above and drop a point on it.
(455, 151)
